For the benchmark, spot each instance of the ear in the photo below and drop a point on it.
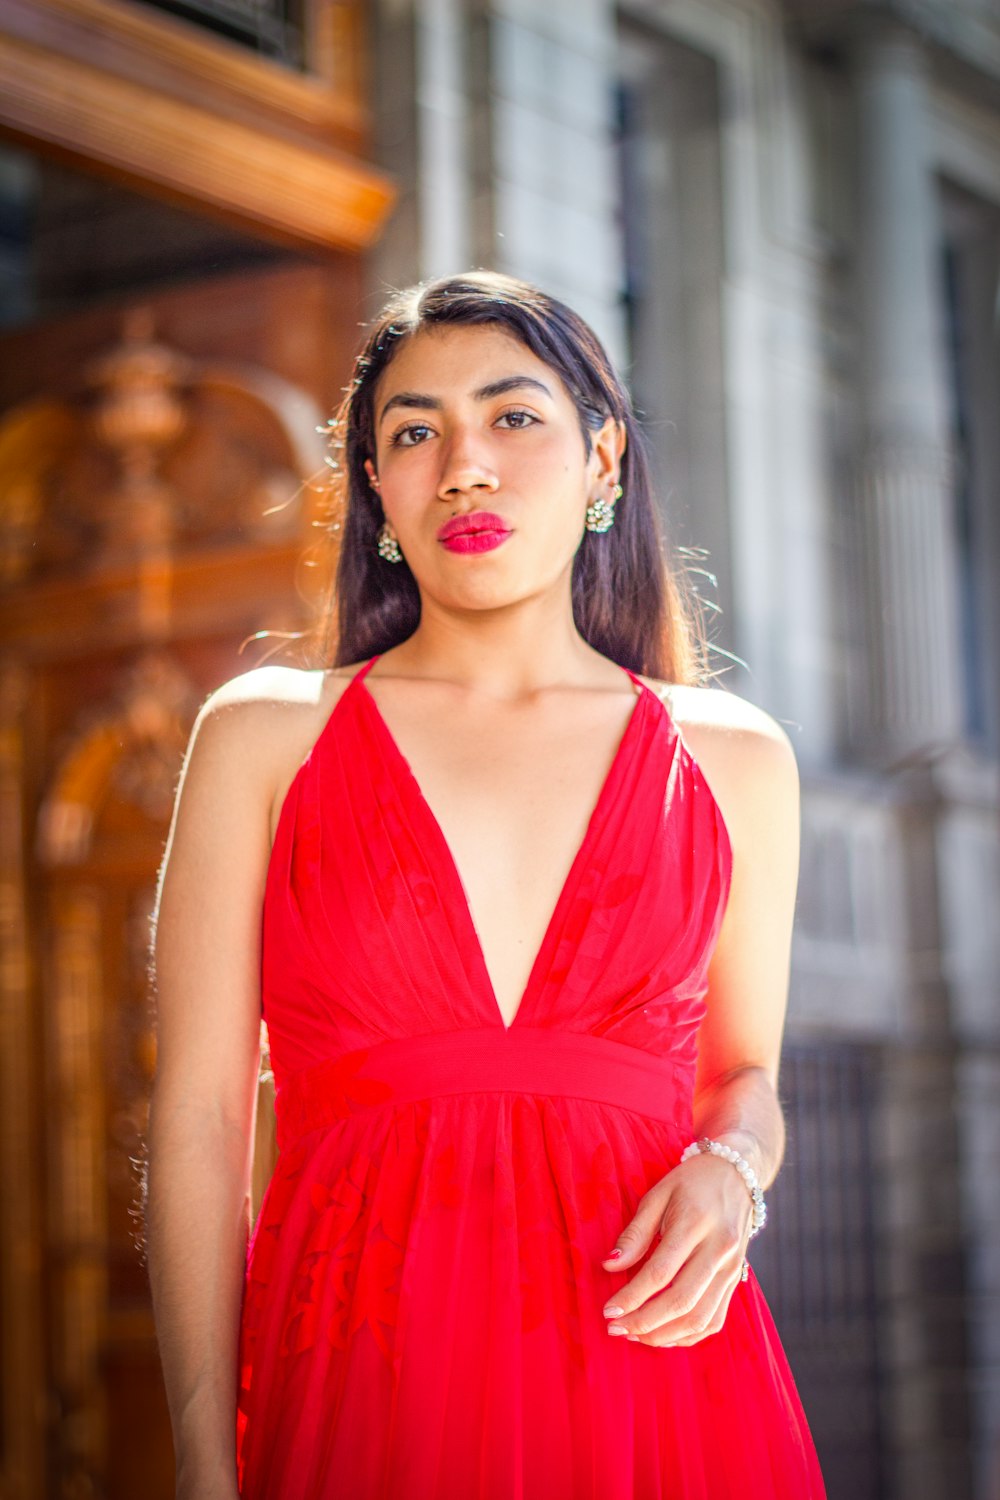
(608, 447)
(370, 469)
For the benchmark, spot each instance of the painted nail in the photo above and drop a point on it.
(615, 1255)
(614, 1312)
(617, 1332)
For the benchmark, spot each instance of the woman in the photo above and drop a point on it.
(514, 889)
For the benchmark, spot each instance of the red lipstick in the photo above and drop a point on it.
(480, 531)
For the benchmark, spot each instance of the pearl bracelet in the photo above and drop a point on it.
(746, 1171)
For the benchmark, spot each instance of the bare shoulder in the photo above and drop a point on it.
(266, 687)
(716, 713)
(277, 701)
(265, 721)
(744, 752)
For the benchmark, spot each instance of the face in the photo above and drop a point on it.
(470, 425)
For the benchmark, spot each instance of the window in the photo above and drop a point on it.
(273, 28)
(970, 267)
(671, 223)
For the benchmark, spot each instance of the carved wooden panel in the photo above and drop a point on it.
(22, 1380)
(153, 451)
(160, 482)
(118, 732)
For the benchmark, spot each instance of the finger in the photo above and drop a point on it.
(635, 1239)
(681, 1230)
(678, 1301)
(706, 1320)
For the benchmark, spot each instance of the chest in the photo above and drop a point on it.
(511, 793)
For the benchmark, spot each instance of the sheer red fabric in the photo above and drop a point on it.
(422, 1312)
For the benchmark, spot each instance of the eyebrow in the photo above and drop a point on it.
(484, 393)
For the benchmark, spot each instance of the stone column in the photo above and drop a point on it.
(911, 707)
(546, 185)
(423, 90)
(910, 701)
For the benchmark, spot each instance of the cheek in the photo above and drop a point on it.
(550, 466)
(407, 480)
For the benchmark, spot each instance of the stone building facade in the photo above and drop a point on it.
(784, 220)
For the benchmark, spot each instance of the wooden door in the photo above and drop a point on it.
(153, 519)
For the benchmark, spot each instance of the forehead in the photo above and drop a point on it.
(460, 357)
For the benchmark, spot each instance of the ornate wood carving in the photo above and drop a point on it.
(124, 751)
(108, 802)
(108, 799)
(21, 1363)
(156, 510)
(77, 1209)
(154, 452)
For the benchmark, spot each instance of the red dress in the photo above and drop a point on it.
(422, 1313)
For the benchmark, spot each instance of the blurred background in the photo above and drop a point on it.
(784, 221)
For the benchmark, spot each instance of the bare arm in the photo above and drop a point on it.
(739, 1046)
(702, 1208)
(206, 973)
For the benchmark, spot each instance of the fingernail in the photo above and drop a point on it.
(615, 1332)
(633, 1338)
(615, 1255)
(614, 1312)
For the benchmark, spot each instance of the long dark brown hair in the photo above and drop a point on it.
(631, 601)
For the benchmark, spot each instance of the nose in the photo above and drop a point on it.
(465, 471)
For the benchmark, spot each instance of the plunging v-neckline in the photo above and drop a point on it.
(452, 863)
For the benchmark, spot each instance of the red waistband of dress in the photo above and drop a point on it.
(482, 1061)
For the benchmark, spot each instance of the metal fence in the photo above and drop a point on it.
(816, 1259)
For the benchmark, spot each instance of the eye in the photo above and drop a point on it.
(396, 441)
(527, 419)
(518, 411)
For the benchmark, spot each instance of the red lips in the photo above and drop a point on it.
(477, 520)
